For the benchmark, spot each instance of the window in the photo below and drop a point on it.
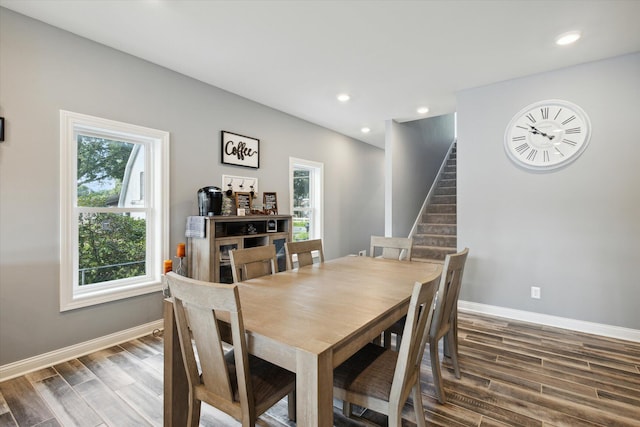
(306, 198)
(114, 209)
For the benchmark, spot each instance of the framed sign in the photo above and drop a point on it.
(240, 150)
(243, 201)
(270, 203)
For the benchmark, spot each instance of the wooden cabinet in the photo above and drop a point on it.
(208, 257)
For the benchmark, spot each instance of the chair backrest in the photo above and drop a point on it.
(392, 247)
(196, 306)
(253, 262)
(304, 250)
(448, 292)
(414, 339)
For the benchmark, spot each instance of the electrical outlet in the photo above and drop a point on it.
(362, 252)
(535, 292)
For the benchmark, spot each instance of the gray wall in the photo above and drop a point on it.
(416, 151)
(43, 70)
(574, 232)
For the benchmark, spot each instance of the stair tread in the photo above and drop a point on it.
(434, 247)
(434, 235)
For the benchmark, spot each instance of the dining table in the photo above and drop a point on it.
(308, 320)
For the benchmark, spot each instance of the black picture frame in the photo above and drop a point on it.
(1, 129)
(270, 203)
(239, 150)
(243, 201)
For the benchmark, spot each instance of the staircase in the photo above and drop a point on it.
(435, 234)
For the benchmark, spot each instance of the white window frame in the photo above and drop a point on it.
(316, 193)
(156, 143)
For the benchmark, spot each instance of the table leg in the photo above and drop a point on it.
(314, 389)
(176, 387)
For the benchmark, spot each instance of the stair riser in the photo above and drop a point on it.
(444, 241)
(437, 229)
(447, 183)
(445, 191)
(449, 209)
(443, 200)
(433, 218)
(431, 253)
(449, 175)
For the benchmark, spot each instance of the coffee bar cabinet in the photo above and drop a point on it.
(208, 257)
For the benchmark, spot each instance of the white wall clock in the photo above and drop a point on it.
(547, 134)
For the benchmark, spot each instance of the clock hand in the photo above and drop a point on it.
(535, 131)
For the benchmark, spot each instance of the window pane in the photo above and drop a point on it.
(111, 246)
(301, 222)
(301, 217)
(301, 180)
(105, 169)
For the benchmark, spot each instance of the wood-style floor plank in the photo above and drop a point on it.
(69, 408)
(26, 405)
(513, 374)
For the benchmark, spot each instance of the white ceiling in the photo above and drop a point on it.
(390, 56)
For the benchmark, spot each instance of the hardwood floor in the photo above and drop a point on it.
(513, 374)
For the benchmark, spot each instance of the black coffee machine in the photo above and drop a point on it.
(210, 201)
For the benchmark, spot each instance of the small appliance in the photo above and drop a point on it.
(210, 201)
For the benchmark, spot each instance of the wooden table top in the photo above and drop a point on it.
(316, 307)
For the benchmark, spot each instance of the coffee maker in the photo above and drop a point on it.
(210, 201)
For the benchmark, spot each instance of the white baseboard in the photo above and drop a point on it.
(548, 320)
(31, 364)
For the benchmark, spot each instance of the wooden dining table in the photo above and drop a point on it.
(308, 320)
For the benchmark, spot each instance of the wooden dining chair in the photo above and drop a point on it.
(304, 252)
(237, 383)
(381, 379)
(391, 247)
(445, 319)
(253, 262)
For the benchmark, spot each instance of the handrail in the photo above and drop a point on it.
(412, 233)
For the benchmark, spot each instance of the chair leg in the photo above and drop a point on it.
(346, 409)
(193, 415)
(387, 339)
(291, 404)
(418, 406)
(437, 374)
(453, 345)
(395, 415)
(378, 340)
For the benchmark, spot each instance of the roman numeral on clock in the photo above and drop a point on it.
(568, 141)
(522, 148)
(532, 155)
(545, 112)
(531, 118)
(518, 138)
(557, 114)
(545, 156)
(573, 130)
(568, 120)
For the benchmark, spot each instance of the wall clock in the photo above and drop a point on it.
(547, 134)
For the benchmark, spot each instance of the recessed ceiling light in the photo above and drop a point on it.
(568, 38)
(365, 130)
(423, 110)
(343, 97)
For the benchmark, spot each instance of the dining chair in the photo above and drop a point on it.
(237, 383)
(445, 319)
(381, 379)
(392, 247)
(304, 252)
(253, 262)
